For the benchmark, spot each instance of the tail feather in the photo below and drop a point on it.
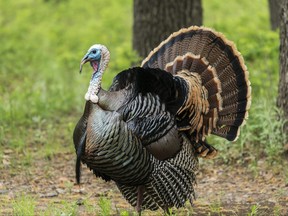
(215, 101)
(223, 76)
(240, 106)
(198, 65)
(237, 96)
(232, 120)
(228, 132)
(208, 74)
(232, 84)
(213, 86)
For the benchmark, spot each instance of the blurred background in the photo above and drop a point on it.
(42, 93)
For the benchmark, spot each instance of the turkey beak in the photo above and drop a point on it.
(83, 61)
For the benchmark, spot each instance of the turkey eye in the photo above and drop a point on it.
(94, 51)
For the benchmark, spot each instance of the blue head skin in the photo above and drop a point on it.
(98, 56)
(93, 56)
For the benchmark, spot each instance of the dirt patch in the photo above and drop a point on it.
(221, 190)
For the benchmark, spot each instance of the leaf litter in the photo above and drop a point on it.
(222, 189)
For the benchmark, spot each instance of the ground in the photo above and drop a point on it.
(222, 189)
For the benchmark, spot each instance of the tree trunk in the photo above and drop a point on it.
(282, 100)
(155, 20)
(274, 8)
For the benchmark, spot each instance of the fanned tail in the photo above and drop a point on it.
(218, 87)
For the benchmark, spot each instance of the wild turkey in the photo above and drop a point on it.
(147, 132)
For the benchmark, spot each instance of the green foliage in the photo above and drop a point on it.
(215, 207)
(64, 208)
(23, 205)
(124, 213)
(247, 25)
(254, 210)
(42, 43)
(105, 206)
(90, 207)
(265, 129)
(277, 210)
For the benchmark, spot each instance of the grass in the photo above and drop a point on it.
(23, 205)
(249, 28)
(105, 206)
(254, 210)
(40, 53)
(277, 210)
(42, 93)
(215, 208)
(63, 208)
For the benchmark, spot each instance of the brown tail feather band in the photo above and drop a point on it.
(223, 75)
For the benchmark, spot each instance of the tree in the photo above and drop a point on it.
(274, 8)
(154, 20)
(282, 100)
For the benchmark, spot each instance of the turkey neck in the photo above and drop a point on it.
(96, 79)
(95, 85)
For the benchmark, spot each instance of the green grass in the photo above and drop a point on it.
(254, 210)
(63, 208)
(247, 24)
(105, 206)
(42, 93)
(23, 205)
(277, 210)
(215, 208)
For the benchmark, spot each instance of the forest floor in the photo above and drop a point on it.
(221, 189)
